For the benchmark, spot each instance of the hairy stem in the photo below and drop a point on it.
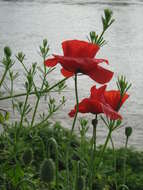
(3, 77)
(125, 160)
(114, 157)
(23, 112)
(104, 147)
(38, 97)
(33, 92)
(77, 102)
(72, 129)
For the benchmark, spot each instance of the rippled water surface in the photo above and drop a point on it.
(23, 25)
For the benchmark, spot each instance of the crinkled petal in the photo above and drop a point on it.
(97, 93)
(66, 73)
(72, 113)
(51, 62)
(86, 66)
(101, 61)
(101, 75)
(109, 112)
(77, 48)
(87, 105)
(83, 107)
(68, 63)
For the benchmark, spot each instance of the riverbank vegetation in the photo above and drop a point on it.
(36, 153)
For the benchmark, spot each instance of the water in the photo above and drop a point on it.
(23, 25)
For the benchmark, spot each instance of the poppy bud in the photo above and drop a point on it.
(30, 80)
(52, 147)
(7, 51)
(27, 156)
(20, 56)
(80, 185)
(47, 172)
(45, 42)
(128, 131)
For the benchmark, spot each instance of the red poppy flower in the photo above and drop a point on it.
(101, 101)
(79, 58)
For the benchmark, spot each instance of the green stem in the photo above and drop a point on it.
(48, 116)
(93, 152)
(114, 157)
(77, 102)
(104, 147)
(33, 92)
(23, 113)
(125, 160)
(94, 133)
(3, 77)
(38, 97)
(35, 110)
(72, 129)
(57, 168)
(100, 36)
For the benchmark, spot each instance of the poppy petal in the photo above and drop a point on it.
(66, 73)
(51, 62)
(77, 48)
(125, 97)
(101, 61)
(101, 75)
(72, 113)
(83, 107)
(109, 112)
(97, 93)
(112, 97)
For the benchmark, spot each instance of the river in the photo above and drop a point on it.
(23, 25)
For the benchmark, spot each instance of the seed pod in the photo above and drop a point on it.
(128, 131)
(80, 185)
(27, 156)
(94, 122)
(47, 172)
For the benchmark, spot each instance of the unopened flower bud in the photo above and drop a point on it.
(7, 51)
(47, 172)
(45, 42)
(20, 56)
(52, 147)
(128, 131)
(27, 156)
(80, 183)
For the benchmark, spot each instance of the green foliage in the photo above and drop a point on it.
(106, 22)
(12, 169)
